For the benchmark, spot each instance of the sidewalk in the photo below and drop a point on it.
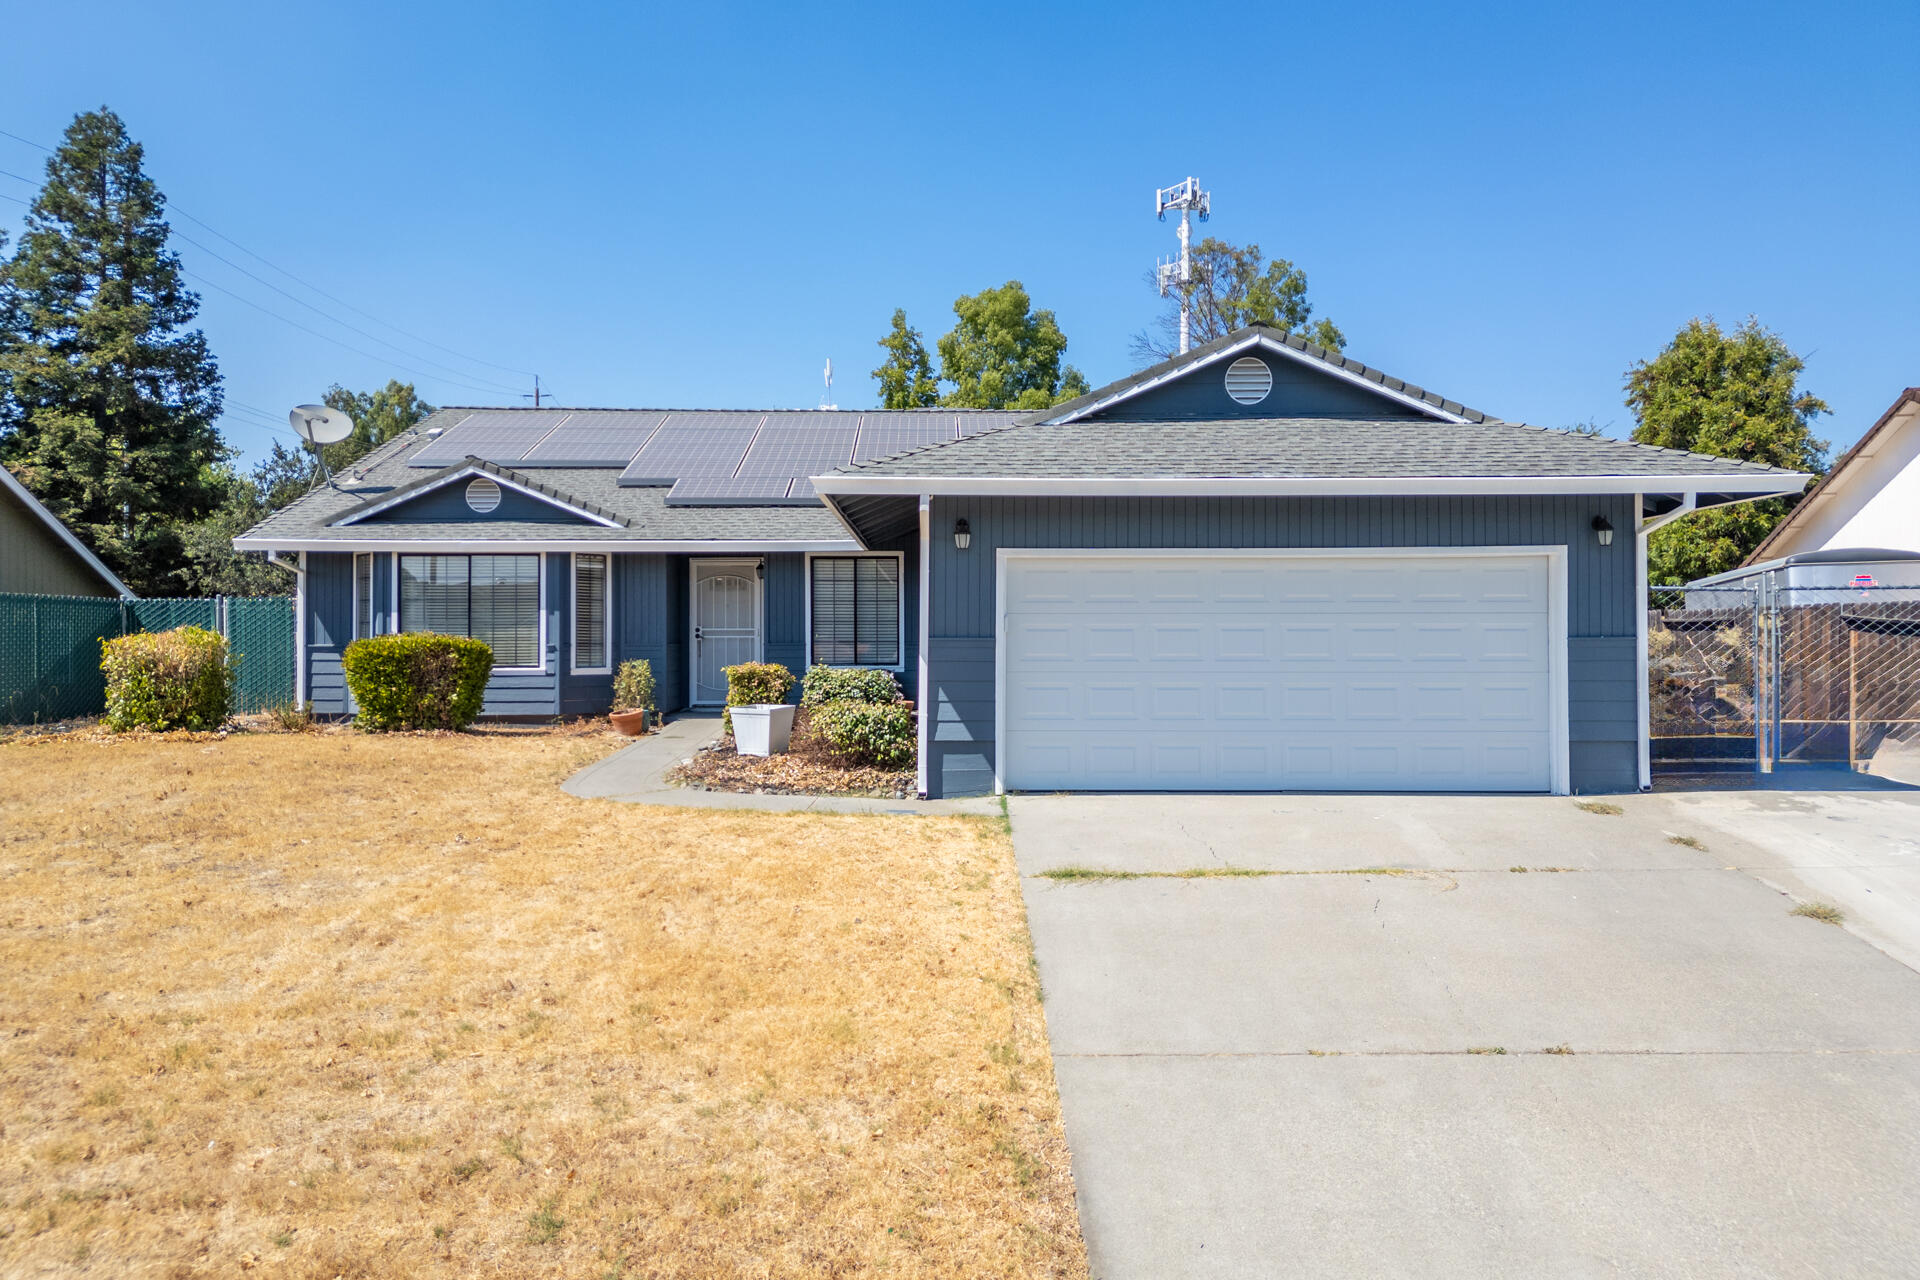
(637, 775)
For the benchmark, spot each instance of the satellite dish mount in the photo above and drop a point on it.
(318, 425)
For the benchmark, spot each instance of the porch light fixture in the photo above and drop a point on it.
(962, 535)
(1603, 531)
(760, 568)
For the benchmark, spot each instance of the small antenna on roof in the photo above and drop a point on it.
(1189, 199)
(827, 395)
(318, 425)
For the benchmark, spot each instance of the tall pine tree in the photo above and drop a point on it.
(111, 398)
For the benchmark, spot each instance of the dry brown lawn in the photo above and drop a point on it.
(336, 1005)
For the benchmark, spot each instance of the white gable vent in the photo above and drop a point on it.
(1249, 380)
(483, 495)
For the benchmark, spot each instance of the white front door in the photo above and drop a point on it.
(1402, 671)
(726, 624)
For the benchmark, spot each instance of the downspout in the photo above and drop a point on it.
(1644, 528)
(299, 567)
(926, 597)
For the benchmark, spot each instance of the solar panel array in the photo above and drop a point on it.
(711, 457)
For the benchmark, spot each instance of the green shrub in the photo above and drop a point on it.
(876, 733)
(419, 680)
(751, 683)
(179, 679)
(633, 686)
(848, 684)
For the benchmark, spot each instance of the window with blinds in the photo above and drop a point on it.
(362, 595)
(856, 611)
(491, 598)
(590, 613)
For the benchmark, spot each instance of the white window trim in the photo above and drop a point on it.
(541, 593)
(1560, 767)
(354, 576)
(900, 608)
(758, 565)
(573, 615)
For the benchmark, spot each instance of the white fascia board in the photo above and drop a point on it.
(403, 497)
(66, 535)
(1266, 344)
(1239, 486)
(499, 546)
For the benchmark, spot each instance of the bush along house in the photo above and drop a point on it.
(1258, 566)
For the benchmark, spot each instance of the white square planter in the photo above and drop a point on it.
(762, 729)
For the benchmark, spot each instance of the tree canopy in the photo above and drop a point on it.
(110, 397)
(1733, 395)
(378, 416)
(906, 375)
(1234, 286)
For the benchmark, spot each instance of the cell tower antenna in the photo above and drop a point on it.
(1190, 200)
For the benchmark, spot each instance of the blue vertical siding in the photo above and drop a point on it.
(784, 639)
(1601, 594)
(650, 620)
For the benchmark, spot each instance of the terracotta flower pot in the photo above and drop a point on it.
(630, 723)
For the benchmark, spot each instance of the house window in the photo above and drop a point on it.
(491, 598)
(856, 611)
(362, 595)
(590, 613)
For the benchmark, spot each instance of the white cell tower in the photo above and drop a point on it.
(1189, 199)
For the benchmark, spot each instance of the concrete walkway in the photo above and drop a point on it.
(1627, 1059)
(637, 775)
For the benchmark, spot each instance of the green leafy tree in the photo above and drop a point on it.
(378, 416)
(1234, 286)
(111, 397)
(1005, 355)
(906, 375)
(1732, 395)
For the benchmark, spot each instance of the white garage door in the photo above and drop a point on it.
(1180, 672)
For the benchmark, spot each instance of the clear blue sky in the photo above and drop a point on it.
(698, 204)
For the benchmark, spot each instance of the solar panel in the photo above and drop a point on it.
(972, 424)
(594, 440)
(720, 491)
(709, 449)
(497, 435)
(885, 434)
(791, 444)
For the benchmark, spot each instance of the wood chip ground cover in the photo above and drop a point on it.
(329, 1004)
(807, 769)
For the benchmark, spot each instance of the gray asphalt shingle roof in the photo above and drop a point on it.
(647, 516)
(1288, 448)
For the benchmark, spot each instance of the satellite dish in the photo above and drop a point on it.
(319, 425)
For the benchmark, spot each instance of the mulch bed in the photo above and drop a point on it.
(806, 769)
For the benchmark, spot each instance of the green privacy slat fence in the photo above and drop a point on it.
(50, 648)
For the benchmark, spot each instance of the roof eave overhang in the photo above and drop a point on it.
(505, 546)
(1266, 343)
(1744, 485)
(473, 467)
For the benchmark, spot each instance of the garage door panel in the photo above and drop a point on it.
(1319, 672)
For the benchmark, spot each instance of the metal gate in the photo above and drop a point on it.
(1761, 676)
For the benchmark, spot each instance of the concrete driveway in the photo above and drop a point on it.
(1339, 1074)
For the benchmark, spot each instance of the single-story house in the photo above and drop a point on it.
(1258, 566)
(41, 556)
(1870, 498)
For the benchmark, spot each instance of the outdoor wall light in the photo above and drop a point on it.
(962, 535)
(1603, 531)
(760, 569)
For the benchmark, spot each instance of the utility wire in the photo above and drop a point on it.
(216, 232)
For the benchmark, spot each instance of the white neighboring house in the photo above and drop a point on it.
(1871, 498)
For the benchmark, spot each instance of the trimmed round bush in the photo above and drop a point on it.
(875, 733)
(752, 683)
(848, 684)
(179, 679)
(420, 680)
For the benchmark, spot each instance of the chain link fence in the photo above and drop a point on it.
(1762, 675)
(50, 648)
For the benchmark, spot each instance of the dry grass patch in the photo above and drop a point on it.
(1824, 912)
(329, 1004)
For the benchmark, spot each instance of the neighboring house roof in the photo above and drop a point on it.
(1845, 476)
(1405, 450)
(1264, 337)
(12, 485)
(640, 515)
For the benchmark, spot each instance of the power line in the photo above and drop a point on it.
(29, 141)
